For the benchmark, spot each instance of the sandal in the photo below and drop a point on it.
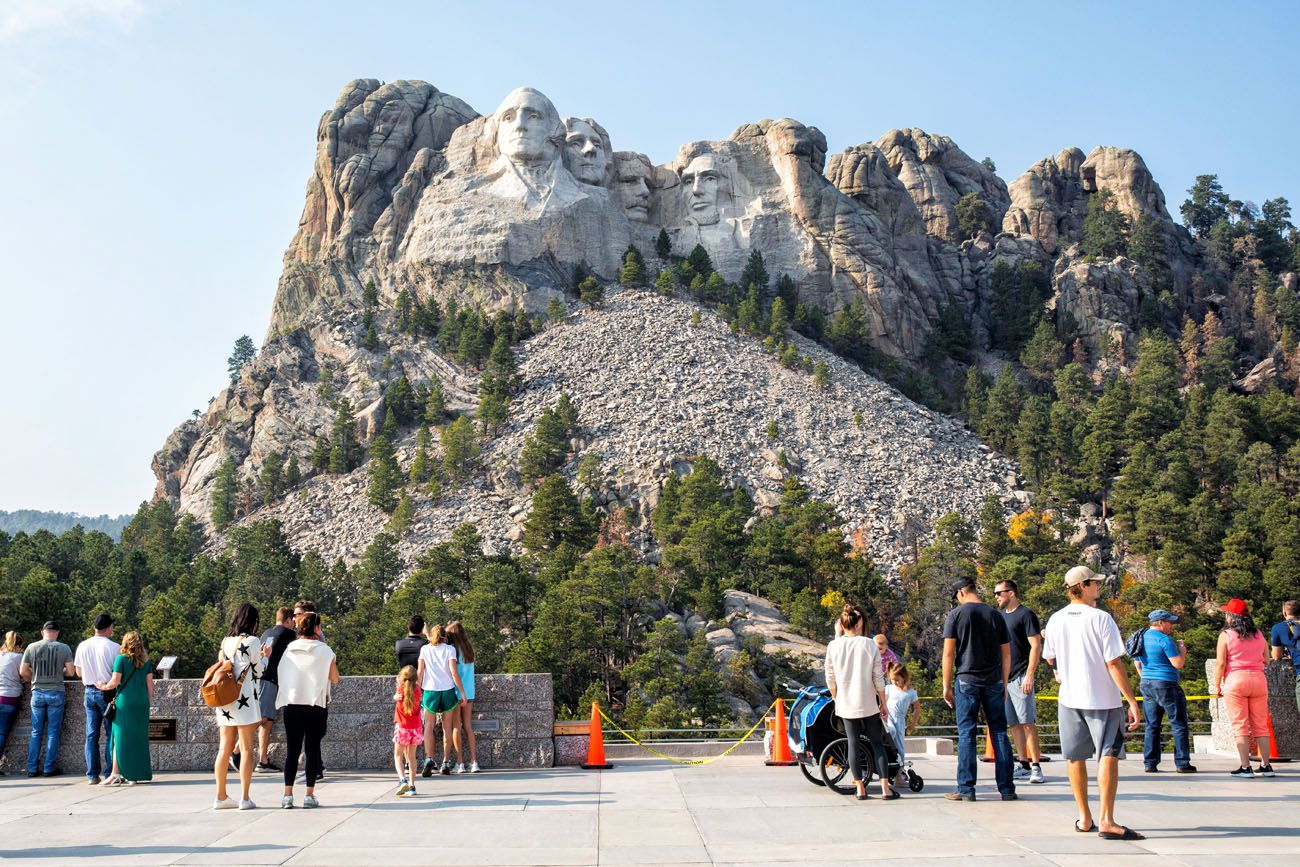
(1129, 834)
(115, 780)
(892, 796)
(1088, 830)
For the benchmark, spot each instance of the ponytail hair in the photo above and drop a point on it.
(850, 617)
(308, 624)
(406, 679)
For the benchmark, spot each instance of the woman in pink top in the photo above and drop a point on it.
(1239, 679)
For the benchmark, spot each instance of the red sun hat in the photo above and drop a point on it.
(1235, 606)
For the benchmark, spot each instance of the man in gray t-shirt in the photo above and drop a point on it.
(45, 663)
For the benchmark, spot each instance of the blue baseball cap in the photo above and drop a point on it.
(1161, 614)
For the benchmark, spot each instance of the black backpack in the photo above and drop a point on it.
(1136, 646)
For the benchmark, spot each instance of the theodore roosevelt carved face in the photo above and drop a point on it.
(632, 177)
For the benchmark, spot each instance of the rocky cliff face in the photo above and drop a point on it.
(413, 190)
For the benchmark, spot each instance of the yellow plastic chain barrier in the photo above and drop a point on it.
(1054, 698)
(743, 738)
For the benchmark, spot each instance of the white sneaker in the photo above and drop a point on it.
(225, 804)
(459, 769)
(473, 767)
(1020, 773)
(410, 792)
(310, 802)
(286, 803)
(1036, 775)
(247, 804)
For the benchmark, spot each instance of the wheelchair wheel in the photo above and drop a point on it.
(834, 765)
(811, 777)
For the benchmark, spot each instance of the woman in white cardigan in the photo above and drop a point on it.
(857, 684)
(307, 669)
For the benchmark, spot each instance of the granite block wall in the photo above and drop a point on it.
(1282, 701)
(513, 719)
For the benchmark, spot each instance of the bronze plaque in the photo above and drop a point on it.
(162, 730)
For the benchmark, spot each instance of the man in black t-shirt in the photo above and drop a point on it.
(976, 649)
(408, 647)
(1022, 704)
(274, 641)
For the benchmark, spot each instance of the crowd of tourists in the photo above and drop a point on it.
(990, 662)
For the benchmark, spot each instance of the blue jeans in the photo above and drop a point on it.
(1165, 698)
(96, 704)
(47, 721)
(970, 698)
(8, 713)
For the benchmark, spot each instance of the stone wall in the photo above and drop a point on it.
(513, 717)
(1281, 707)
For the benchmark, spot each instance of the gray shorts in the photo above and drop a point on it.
(266, 699)
(1089, 734)
(1021, 709)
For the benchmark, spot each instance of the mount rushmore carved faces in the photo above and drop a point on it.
(632, 177)
(587, 152)
(701, 180)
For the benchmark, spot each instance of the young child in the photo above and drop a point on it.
(899, 698)
(408, 731)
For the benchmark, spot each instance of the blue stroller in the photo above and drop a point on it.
(818, 744)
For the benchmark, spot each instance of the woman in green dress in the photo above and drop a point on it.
(133, 680)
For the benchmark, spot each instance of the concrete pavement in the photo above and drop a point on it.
(735, 811)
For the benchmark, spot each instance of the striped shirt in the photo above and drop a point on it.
(48, 660)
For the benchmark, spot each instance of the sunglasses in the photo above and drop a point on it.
(1000, 592)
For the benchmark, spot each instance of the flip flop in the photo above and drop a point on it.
(1129, 834)
(1088, 830)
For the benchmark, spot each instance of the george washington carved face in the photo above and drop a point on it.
(528, 127)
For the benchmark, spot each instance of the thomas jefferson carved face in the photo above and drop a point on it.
(586, 152)
(528, 127)
(700, 182)
(632, 184)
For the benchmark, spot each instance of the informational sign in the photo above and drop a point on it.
(487, 725)
(162, 730)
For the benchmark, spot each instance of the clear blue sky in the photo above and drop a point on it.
(155, 154)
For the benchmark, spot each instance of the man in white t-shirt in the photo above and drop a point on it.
(1083, 644)
(94, 664)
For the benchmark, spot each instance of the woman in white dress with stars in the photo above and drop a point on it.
(240, 719)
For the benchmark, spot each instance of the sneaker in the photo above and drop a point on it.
(94, 781)
(1036, 775)
(1011, 796)
(1151, 769)
(1266, 771)
(234, 761)
(445, 770)
(54, 772)
(1020, 773)
(321, 774)
(225, 804)
(1189, 769)
(1243, 774)
(427, 770)
(410, 792)
(286, 803)
(958, 796)
(270, 766)
(473, 767)
(403, 789)
(310, 802)
(31, 774)
(459, 769)
(247, 804)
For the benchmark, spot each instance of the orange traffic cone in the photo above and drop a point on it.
(1272, 744)
(988, 745)
(595, 744)
(780, 740)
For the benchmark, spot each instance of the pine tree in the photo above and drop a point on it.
(292, 472)
(700, 262)
(223, 495)
(821, 376)
(402, 515)
(1105, 227)
(1043, 353)
(459, 448)
(389, 427)
(405, 309)
(633, 271)
(591, 292)
(421, 462)
(435, 407)
(973, 216)
(755, 273)
(345, 451)
(1033, 439)
(555, 519)
(272, 478)
(1146, 246)
(1207, 206)
(243, 353)
(493, 410)
(663, 245)
(780, 318)
(1002, 411)
(555, 310)
(320, 455)
(665, 282)
(385, 476)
